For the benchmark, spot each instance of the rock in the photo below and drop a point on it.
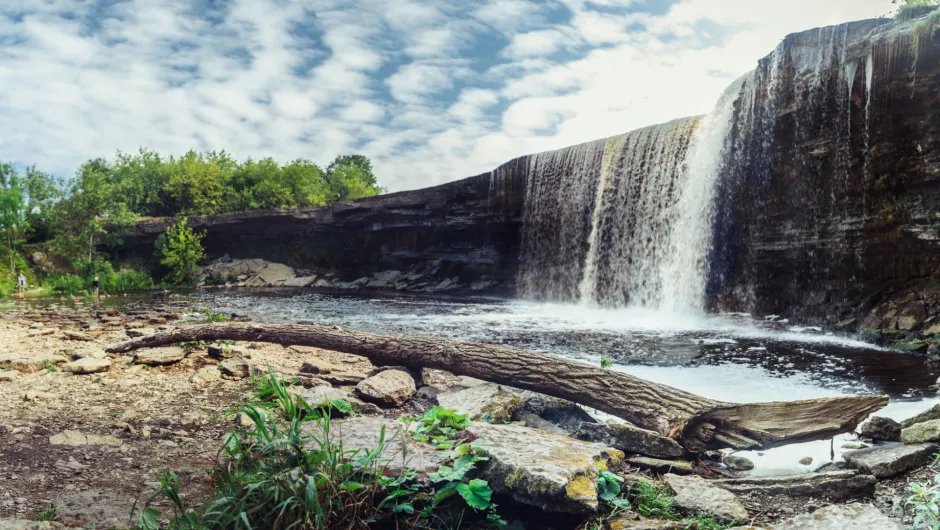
(88, 365)
(32, 363)
(8, 375)
(630, 439)
(836, 486)
(925, 431)
(933, 413)
(224, 351)
(160, 356)
(78, 438)
(140, 332)
(838, 517)
(363, 433)
(25, 524)
(317, 366)
(855, 445)
(547, 470)
(342, 378)
(235, 368)
(299, 281)
(320, 395)
(806, 461)
(678, 467)
(878, 428)
(488, 402)
(94, 354)
(438, 379)
(76, 335)
(206, 374)
(695, 495)
(391, 388)
(632, 521)
(41, 332)
(888, 461)
(738, 463)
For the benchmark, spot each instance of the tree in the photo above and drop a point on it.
(350, 177)
(182, 250)
(196, 182)
(911, 9)
(25, 201)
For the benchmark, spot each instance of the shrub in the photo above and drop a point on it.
(69, 284)
(911, 9)
(182, 250)
(925, 500)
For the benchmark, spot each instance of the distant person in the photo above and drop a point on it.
(21, 285)
(94, 289)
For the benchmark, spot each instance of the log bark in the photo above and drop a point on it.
(696, 422)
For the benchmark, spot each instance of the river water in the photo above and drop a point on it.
(731, 357)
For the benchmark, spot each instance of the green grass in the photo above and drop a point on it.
(46, 514)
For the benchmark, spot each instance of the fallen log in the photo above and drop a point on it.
(695, 422)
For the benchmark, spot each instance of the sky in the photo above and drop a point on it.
(430, 90)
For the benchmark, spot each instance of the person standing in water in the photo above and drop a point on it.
(21, 285)
(94, 289)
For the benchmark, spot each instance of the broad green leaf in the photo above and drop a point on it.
(477, 493)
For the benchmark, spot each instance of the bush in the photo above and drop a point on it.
(911, 9)
(925, 500)
(69, 284)
(182, 250)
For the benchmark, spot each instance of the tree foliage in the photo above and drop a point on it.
(911, 9)
(25, 202)
(182, 250)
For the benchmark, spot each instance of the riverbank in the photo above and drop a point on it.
(89, 433)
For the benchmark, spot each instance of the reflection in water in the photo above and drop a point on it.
(726, 357)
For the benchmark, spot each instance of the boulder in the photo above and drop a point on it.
(488, 402)
(836, 486)
(235, 368)
(205, 375)
(806, 461)
(695, 495)
(677, 467)
(88, 365)
(890, 460)
(925, 431)
(160, 356)
(878, 428)
(738, 463)
(438, 379)
(547, 470)
(630, 439)
(391, 388)
(78, 438)
(933, 413)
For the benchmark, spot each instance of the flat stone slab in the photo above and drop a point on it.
(677, 467)
(630, 439)
(838, 517)
(78, 438)
(28, 364)
(833, 485)
(695, 495)
(489, 401)
(88, 365)
(889, 460)
(543, 469)
(76, 335)
(160, 356)
(140, 332)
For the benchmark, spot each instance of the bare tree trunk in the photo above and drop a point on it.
(697, 423)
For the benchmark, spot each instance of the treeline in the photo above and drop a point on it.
(73, 215)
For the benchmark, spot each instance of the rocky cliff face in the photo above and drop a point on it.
(818, 176)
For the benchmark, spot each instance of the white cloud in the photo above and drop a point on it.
(431, 90)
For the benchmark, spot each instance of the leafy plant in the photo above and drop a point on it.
(46, 514)
(50, 366)
(925, 501)
(438, 426)
(606, 363)
(215, 316)
(608, 485)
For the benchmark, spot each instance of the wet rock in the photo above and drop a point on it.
(160, 356)
(542, 469)
(235, 368)
(205, 375)
(630, 439)
(78, 438)
(391, 388)
(878, 428)
(140, 332)
(835, 486)
(738, 463)
(8, 375)
(488, 402)
(926, 431)
(806, 461)
(933, 413)
(695, 495)
(439, 379)
(888, 461)
(838, 517)
(88, 365)
(678, 467)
